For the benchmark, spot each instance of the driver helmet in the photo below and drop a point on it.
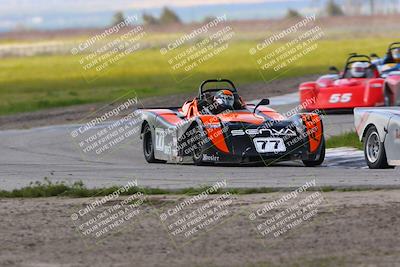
(396, 55)
(224, 99)
(359, 69)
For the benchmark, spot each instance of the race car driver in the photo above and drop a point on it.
(392, 56)
(359, 69)
(391, 62)
(223, 100)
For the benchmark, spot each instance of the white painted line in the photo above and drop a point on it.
(347, 157)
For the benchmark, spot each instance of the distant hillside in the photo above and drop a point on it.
(58, 17)
(47, 15)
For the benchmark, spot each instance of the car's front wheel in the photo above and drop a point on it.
(318, 158)
(374, 150)
(197, 147)
(148, 146)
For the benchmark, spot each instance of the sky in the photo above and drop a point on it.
(58, 14)
(26, 6)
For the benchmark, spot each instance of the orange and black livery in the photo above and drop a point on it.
(218, 127)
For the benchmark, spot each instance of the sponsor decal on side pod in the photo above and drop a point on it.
(272, 132)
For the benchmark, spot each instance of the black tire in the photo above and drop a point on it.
(318, 158)
(374, 150)
(197, 153)
(148, 147)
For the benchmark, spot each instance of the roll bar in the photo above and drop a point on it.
(202, 91)
(361, 58)
(393, 46)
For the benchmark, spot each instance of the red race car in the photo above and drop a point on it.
(392, 89)
(389, 67)
(359, 85)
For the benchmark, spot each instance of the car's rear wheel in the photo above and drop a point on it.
(318, 158)
(148, 146)
(374, 150)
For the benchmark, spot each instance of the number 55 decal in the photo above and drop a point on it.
(342, 98)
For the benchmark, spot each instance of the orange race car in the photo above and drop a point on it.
(219, 127)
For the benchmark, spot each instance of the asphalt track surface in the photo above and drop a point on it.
(30, 155)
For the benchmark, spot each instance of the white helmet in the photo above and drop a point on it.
(359, 69)
(396, 54)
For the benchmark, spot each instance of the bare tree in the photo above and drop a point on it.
(168, 16)
(149, 19)
(118, 18)
(394, 6)
(333, 9)
(353, 7)
(372, 6)
(358, 7)
(292, 14)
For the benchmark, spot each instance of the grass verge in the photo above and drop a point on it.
(78, 189)
(345, 140)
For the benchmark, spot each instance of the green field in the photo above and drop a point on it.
(34, 83)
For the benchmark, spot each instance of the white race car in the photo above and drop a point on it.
(379, 130)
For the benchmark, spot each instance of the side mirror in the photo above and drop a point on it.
(334, 69)
(374, 55)
(263, 102)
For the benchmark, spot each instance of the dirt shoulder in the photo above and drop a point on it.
(350, 229)
(79, 113)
